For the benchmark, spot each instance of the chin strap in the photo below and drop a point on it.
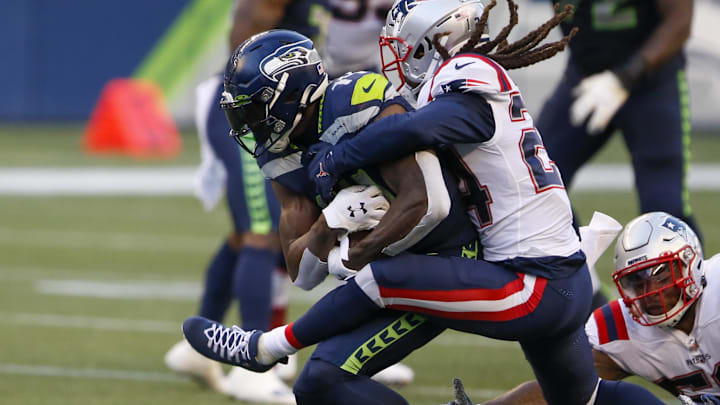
(311, 94)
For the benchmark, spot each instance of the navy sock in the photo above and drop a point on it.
(621, 393)
(252, 285)
(340, 310)
(322, 383)
(218, 286)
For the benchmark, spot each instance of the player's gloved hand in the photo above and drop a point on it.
(336, 267)
(708, 399)
(318, 160)
(598, 97)
(356, 208)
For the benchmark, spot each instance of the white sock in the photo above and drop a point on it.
(273, 345)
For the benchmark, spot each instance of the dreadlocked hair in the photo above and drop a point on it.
(521, 53)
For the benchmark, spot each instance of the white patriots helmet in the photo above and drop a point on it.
(658, 256)
(408, 55)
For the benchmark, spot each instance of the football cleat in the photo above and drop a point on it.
(181, 358)
(233, 345)
(397, 374)
(259, 388)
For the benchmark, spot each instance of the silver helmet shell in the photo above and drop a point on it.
(656, 252)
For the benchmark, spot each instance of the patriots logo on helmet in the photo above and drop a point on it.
(401, 8)
(287, 58)
(675, 226)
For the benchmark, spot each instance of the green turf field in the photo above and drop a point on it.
(93, 289)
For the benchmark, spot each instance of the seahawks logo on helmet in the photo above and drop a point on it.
(286, 58)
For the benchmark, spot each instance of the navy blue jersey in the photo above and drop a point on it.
(308, 17)
(348, 105)
(611, 31)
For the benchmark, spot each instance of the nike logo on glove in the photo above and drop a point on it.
(367, 89)
(458, 67)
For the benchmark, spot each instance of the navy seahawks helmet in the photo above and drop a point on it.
(269, 81)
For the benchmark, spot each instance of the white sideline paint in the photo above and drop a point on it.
(153, 181)
(97, 181)
(154, 290)
(135, 375)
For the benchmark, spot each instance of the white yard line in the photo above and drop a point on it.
(90, 373)
(128, 241)
(178, 180)
(136, 375)
(447, 339)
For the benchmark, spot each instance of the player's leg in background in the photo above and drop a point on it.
(570, 147)
(339, 370)
(656, 125)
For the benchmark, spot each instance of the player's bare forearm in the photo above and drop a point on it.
(670, 35)
(607, 368)
(253, 16)
(297, 216)
(406, 180)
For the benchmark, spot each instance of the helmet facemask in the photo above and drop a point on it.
(409, 57)
(659, 275)
(660, 290)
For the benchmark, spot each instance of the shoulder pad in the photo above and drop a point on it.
(470, 72)
(607, 324)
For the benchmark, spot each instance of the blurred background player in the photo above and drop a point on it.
(626, 72)
(352, 41)
(246, 263)
(666, 328)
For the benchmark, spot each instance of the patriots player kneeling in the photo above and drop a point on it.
(666, 327)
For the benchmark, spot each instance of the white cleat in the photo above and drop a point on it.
(397, 374)
(260, 388)
(287, 372)
(182, 358)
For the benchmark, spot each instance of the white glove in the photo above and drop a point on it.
(336, 267)
(356, 208)
(599, 97)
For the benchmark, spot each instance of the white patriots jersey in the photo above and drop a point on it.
(680, 363)
(353, 33)
(526, 210)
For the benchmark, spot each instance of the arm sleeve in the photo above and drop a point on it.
(438, 203)
(452, 118)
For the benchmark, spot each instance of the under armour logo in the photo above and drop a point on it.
(354, 210)
(322, 173)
